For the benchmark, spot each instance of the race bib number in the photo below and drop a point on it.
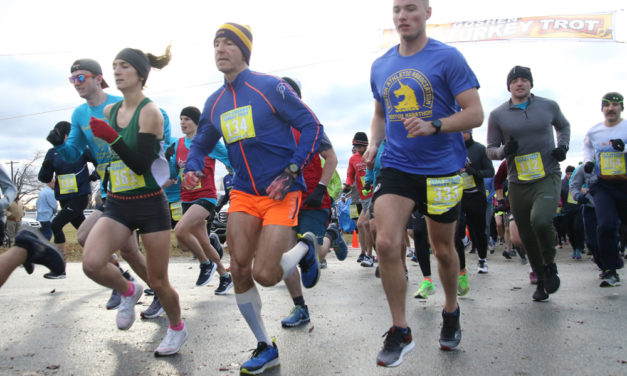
(353, 211)
(443, 193)
(123, 178)
(612, 163)
(177, 211)
(529, 166)
(468, 181)
(67, 184)
(237, 124)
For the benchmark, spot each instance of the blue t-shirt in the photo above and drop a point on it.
(423, 85)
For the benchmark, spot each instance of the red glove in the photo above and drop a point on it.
(280, 186)
(190, 181)
(102, 130)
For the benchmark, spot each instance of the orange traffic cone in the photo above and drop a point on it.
(355, 239)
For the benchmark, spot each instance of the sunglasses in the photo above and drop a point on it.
(80, 78)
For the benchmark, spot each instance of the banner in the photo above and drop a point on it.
(599, 26)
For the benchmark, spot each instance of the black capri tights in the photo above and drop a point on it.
(71, 212)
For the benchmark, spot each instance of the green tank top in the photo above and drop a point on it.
(123, 181)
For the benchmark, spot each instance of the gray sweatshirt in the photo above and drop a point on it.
(533, 129)
(577, 181)
(8, 190)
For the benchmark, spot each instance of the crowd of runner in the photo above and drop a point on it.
(419, 178)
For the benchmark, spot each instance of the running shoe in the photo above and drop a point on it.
(172, 342)
(506, 255)
(482, 266)
(323, 264)
(206, 272)
(368, 261)
(52, 275)
(523, 260)
(126, 310)
(263, 357)
(577, 254)
(361, 257)
(39, 251)
(154, 310)
(395, 346)
(149, 292)
(533, 278)
(540, 295)
(410, 252)
(574, 253)
(298, 316)
(215, 242)
(309, 266)
(341, 248)
(226, 282)
(491, 246)
(551, 278)
(426, 288)
(463, 286)
(114, 300)
(610, 279)
(451, 333)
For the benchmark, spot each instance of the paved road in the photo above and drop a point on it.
(61, 327)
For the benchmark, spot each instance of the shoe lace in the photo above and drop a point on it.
(449, 326)
(261, 347)
(393, 339)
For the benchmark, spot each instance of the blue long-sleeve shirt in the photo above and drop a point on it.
(255, 114)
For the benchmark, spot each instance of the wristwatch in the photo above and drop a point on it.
(437, 124)
(293, 168)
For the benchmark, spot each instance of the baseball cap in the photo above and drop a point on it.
(89, 65)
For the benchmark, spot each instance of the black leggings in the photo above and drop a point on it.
(472, 214)
(573, 221)
(421, 243)
(71, 212)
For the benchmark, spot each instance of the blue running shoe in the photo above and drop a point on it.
(298, 316)
(309, 266)
(263, 357)
(341, 248)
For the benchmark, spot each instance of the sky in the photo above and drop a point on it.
(327, 45)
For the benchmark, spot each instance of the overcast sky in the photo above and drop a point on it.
(327, 45)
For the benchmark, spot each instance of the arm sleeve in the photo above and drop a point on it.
(46, 172)
(137, 160)
(205, 140)
(220, 153)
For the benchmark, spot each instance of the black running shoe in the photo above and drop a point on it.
(39, 251)
(540, 295)
(206, 272)
(395, 346)
(215, 243)
(451, 333)
(52, 275)
(506, 255)
(551, 278)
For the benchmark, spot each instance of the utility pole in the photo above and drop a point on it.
(12, 176)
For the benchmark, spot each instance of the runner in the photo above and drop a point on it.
(255, 113)
(135, 201)
(521, 130)
(604, 154)
(419, 87)
(198, 204)
(72, 189)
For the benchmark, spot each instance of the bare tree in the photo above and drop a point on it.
(25, 178)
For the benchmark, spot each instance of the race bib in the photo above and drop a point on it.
(353, 211)
(468, 181)
(102, 170)
(529, 166)
(443, 193)
(123, 178)
(612, 163)
(177, 211)
(570, 199)
(67, 183)
(237, 124)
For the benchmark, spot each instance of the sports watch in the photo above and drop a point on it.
(293, 168)
(437, 124)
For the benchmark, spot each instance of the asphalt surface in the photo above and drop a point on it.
(61, 327)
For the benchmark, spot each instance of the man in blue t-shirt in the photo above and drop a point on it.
(419, 87)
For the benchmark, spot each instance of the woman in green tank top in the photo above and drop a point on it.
(135, 199)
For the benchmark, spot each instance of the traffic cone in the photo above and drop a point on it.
(355, 239)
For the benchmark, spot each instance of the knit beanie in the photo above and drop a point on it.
(518, 71)
(613, 97)
(360, 139)
(192, 113)
(241, 35)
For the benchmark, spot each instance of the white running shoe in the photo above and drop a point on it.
(482, 266)
(172, 342)
(126, 310)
